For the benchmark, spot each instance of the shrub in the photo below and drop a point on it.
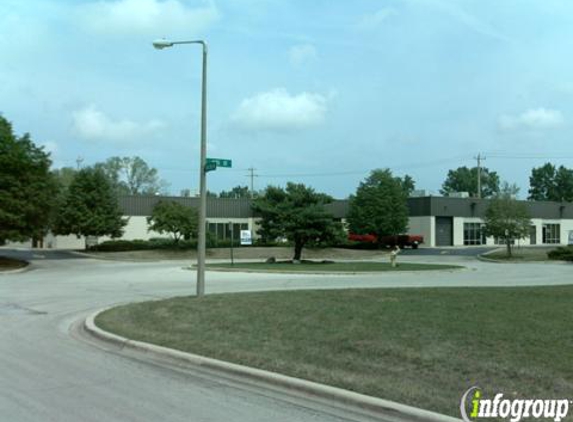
(121, 246)
(160, 244)
(562, 253)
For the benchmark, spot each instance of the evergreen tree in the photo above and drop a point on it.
(379, 206)
(297, 214)
(27, 188)
(90, 207)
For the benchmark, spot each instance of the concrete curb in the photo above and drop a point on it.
(23, 269)
(247, 270)
(381, 407)
(109, 258)
(482, 258)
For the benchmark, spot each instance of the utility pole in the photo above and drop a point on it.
(79, 162)
(252, 175)
(479, 159)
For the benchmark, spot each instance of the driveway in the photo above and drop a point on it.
(49, 374)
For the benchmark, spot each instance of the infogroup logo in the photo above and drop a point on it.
(475, 407)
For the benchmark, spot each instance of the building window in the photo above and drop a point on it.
(474, 234)
(222, 231)
(551, 233)
(501, 241)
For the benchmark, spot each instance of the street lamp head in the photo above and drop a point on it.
(162, 43)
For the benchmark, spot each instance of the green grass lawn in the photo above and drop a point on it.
(422, 347)
(523, 254)
(7, 264)
(351, 267)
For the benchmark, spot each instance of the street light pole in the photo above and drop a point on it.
(201, 241)
(201, 245)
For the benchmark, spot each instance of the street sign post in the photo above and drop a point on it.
(220, 162)
(212, 163)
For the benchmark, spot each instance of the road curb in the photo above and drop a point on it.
(23, 269)
(108, 258)
(243, 270)
(383, 408)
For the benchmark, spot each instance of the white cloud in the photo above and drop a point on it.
(374, 20)
(538, 118)
(301, 54)
(278, 110)
(92, 124)
(147, 17)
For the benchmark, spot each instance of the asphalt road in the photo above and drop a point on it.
(453, 251)
(47, 373)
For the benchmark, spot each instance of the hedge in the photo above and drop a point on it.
(562, 253)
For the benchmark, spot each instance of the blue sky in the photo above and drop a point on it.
(319, 92)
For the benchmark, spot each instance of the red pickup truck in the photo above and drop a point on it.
(402, 240)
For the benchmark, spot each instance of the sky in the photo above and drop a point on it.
(318, 92)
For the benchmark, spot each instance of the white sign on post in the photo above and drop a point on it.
(246, 237)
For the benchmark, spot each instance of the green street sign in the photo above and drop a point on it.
(220, 162)
(210, 167)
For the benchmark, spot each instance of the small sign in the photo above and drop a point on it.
(210, 167)
(220, 162)
(570, 242)
(246, 237)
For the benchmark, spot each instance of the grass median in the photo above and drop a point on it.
(330, 267)
(422, 347)
(521, 254)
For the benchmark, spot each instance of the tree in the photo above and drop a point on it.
(548, 183)
(174, 218)
(90, 207)
(64, 177)
(506, 218)
(464, 179)
(27, 188)
(236, 192)
(408, 184)
(296, 213)
(564, 185)
(379, 206)
(132, 176)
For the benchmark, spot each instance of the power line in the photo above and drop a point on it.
(414, 165)
(528, 156)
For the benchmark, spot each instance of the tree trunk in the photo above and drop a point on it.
(297, 250)
(508, 244)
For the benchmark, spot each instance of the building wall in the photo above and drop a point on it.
(424, 226)
(422, 220)
(136, 228)
(565, 226)
(64, 242)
